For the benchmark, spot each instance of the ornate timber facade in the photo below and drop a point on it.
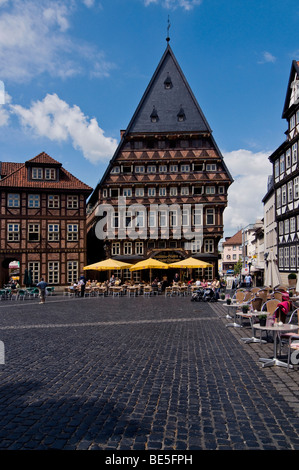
(167, 160)
(286, 181)
(43, 220)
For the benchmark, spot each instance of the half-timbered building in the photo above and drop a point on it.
(165, 189)
(43, 220)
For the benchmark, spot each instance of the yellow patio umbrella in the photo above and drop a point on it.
(150, 264)
(191, 263)
(107, 265)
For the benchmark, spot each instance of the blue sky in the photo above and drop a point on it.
(74, 72)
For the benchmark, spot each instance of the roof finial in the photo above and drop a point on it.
(168, 26)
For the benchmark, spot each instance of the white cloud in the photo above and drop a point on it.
(267, 57)
(250, 172)
(173, 4)
(35, 39)
(55, 119)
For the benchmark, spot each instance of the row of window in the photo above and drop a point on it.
(173, 168)
(164, 218)
(39, 173)
(286, 160)
(33, 232)
(137, 248)
(288, 225)
(53, 272)
(34, 200)
(166, 143)
(288, 256)
(288, 192)
(163, 191)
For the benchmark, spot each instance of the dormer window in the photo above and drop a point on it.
(167, 83)
(295, 91)
(181, 115)
(154, 116)
(39, 173)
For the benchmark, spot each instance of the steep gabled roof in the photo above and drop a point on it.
(168, 101)
(17, 177)
(294, 70)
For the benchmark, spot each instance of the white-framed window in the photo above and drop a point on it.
(286, 226)
(37, 173)
(195, 246)
(197, 217)
(72, 202)
(296, 187)
(152, 219)
(294, 153)
(210, 189)
(173, 168)
(53, 201)
(151, 169)
(114, 221)
(280, 257)
(53, 272)
(163, 219)
(292, 224)
(292, 121)
(185, 191)
(173, 218)
(33, 232)
(115, 248)
(210, 216)
(151, 192)
(185, 217)
(127, 192)
(139, 248)
(281, 163)
(72, 272)
(53, 232)
(140, 219)
(221, 189)
(280, 228)
(278, 197)
(34, 267)
(209, 245)
(276, 168)
(139, 192)
(288, 158)
(211, 167)
(162, 191)
(293, 256)
(185, 168)
(50, 173)
(290, 191)
(115, 169)
(173, 191)
(162, 168)
(33, 201)
(72, 233)
(284, 194)
(286, 255)
(127, 248)
(13, 232)
(139, 169)
(13, 200)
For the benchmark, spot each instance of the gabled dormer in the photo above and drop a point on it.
(291, 105)
(43, 168)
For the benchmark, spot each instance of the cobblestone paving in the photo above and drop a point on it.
(138, 374)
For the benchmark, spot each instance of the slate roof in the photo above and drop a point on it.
(15, 175)
(167, 102)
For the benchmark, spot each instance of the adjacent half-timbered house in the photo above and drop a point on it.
(286, 181)
(43, 220)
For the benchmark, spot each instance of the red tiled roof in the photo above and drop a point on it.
(235, 239)
(17, 176)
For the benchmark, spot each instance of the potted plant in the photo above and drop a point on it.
(263, 319)
(228, 301)
(222, 296)
(292, 278)
(245, 308)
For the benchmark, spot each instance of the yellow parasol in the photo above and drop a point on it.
(191, 263)
(150, 264)
(107, 265)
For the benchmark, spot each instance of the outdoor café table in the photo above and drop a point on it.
(275, 328)
(253, 338)
(235, 306)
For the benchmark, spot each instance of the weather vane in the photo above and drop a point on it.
(168, 27)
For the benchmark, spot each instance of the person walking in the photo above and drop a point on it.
(42, 290)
